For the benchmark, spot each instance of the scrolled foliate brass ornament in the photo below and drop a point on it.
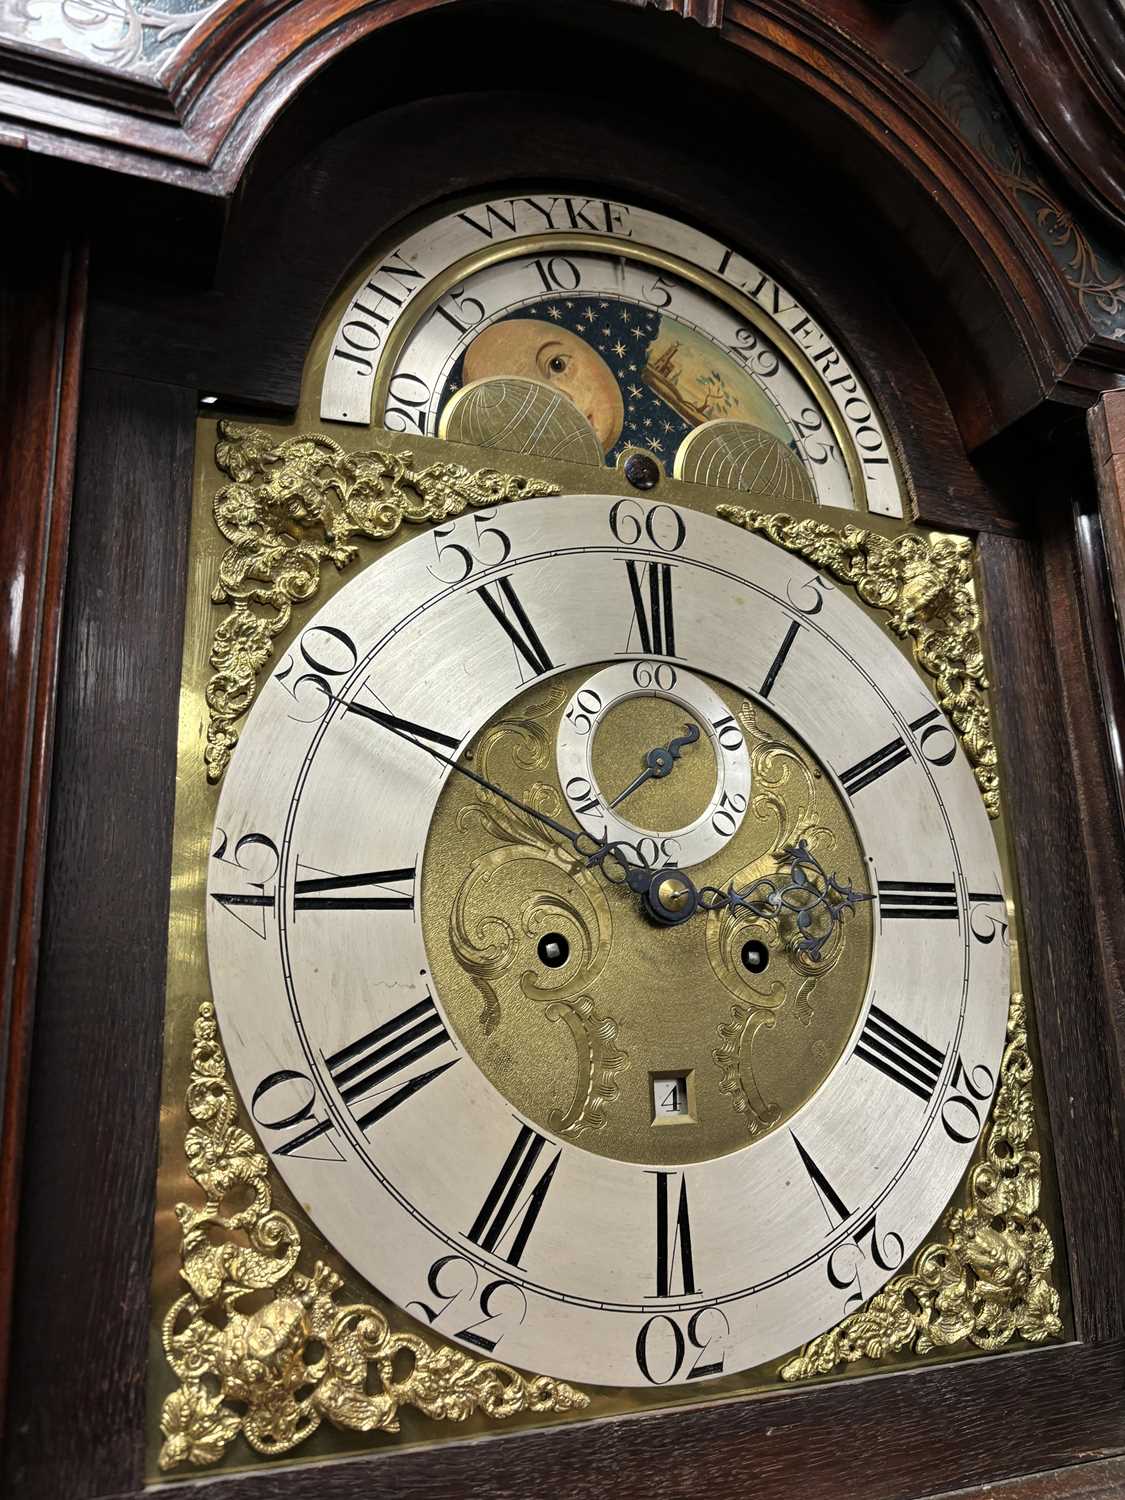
(274, 1371)
(988, 1280)
(294, 504)
(925, 586)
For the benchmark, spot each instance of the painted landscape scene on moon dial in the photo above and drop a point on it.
(638, 378)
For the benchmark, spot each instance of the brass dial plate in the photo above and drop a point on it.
(634, 1002)
(331, 821)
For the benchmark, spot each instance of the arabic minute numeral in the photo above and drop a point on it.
(256, 859)
(814, 586)
(286, 1100)
(969, 1089)
(451, 1281)
(586, 804)
(843, 1267)
(663, 1344)
(488, 547)
(329, 653)
(724, 820)
(664, 527)
(658, 674)
(985, 926)
(728, 734)
(584, 710)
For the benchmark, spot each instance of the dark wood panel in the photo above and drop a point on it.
(82, 1278)
(1061, 64)
(42, 312)
(873, 1439)
(1069, 893)
(1087, 1481)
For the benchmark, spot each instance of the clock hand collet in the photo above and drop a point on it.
(671, 897)
(659, 761)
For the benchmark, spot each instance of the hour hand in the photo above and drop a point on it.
(659, 761)
(802, 888)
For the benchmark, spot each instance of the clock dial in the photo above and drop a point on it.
(582, 330)
(617, 1117)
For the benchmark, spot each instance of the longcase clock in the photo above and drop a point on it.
(581, 907)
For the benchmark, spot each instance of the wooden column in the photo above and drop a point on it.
(42, 313)
(1107, 437)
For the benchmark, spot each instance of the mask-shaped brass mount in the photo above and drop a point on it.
(924, 585)
(293, 505)
(275, 1371)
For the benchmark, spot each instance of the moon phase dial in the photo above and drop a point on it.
(651, 757)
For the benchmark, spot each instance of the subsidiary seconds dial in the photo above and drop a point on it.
(679, 1150)
(649, 755)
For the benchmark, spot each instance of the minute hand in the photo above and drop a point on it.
(403, 728)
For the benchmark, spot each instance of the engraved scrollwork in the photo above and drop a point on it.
(293, 505)
(121, 34)
(784, 803)
(987, 1281)
(924, 584)
(273, 1371)
(487, 945)
(1097, 281)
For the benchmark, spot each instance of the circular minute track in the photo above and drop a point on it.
(468, 1047)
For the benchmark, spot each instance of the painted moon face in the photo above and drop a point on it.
(535, 350)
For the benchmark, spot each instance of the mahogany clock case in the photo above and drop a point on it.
(178, 304)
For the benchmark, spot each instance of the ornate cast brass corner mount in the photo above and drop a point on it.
(988, 1281)
(275, 1372)
(925, 586)
(292, 505)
